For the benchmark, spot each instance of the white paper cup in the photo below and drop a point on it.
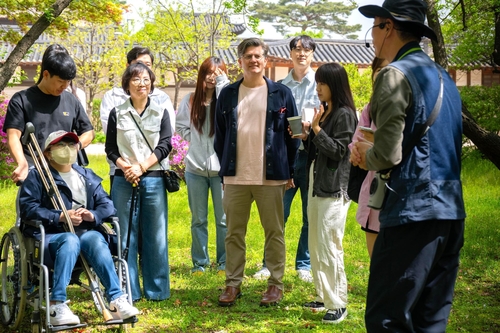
(295, 125)
(308, 114)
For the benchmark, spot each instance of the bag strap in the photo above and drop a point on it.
(432, 117)
(144, 137)
(425, 127)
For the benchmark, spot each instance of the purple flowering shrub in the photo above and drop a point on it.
(179, 151)
(6, 162)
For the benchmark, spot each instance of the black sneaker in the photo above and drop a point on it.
(335, 316)
(315, 306)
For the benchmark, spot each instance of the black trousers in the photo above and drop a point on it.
(412, 276)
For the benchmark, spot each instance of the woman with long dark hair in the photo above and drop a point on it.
(195, 124)
(331, 131)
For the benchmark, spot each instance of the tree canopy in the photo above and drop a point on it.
(191, 37)
(469, 28)
(99, 52)
(26, 12)
(308, 15)
(35, 17)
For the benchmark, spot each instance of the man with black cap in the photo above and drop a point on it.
(415, 258)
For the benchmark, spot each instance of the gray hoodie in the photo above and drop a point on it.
(201, 158)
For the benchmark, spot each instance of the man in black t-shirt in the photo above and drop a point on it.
(48, 106)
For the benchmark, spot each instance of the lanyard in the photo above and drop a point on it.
(409, 51)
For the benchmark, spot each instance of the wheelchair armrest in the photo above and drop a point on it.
(111, 219)
(33, 223)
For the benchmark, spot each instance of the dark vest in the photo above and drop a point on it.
(427, 182)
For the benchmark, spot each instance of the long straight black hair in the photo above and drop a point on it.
(198, 109)
(335, 77)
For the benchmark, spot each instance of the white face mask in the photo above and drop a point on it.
(64, 155)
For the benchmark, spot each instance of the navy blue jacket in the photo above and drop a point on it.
(35, 203)
(280, 148)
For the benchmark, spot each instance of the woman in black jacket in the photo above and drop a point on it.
(330, 133)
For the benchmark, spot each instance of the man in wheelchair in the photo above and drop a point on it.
(87, 205)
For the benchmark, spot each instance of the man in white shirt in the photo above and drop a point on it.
(117, 96)
(302, 83)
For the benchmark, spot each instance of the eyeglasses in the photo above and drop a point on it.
(257, 57)
(303, 50)
(62, 144)
(137, 81)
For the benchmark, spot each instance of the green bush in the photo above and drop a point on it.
(484, 105)
(361, 85)
(100, 137)
(6, 162)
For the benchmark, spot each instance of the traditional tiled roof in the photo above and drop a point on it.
(33, 57)
(327, 50)
(344, 51)
(237, 28)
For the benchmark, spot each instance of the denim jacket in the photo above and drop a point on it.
(280, 147)
(35, 203)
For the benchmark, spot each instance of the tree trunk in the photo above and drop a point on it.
(438, 47)
(9, 67)
(496, 48)
(488, 143)
(178, 84)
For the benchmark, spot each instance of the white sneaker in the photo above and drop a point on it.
(60, 314)
(262, 274)
(120, 308)
(305, 275)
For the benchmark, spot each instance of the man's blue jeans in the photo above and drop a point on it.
(151, 216)
(302, 258)
(198, 187)
(64, 249)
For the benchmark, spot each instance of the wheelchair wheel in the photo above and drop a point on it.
(13, 278)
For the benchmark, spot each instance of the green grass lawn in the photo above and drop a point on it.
(193, 307)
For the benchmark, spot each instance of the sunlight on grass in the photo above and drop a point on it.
(193, 303)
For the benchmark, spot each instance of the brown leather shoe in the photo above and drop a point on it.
(272, 296)
(229, 296)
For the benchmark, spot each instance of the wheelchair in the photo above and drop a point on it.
(25, 280)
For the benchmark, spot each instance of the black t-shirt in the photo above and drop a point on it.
(48, 114)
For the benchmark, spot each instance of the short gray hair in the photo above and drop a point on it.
(252, 42)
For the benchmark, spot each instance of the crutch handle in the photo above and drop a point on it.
(27, 131)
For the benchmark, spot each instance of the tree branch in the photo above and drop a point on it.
(15, 57)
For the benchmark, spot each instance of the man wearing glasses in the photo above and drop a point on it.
(257, 157)
(302, 83)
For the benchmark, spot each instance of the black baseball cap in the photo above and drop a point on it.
(410, 13)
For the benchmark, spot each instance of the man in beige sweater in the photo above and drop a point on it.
(257, 156)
